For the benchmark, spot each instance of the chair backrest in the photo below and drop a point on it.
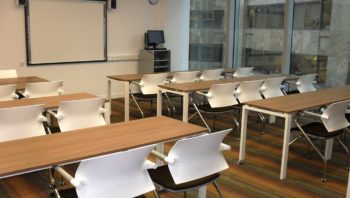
(305, 83)
(8, 73)
(41, 89)
(121, 174)
(272, 87)
(197, 157)
(183, 77)
(243, 72)
(334, 118)
(149, 82)
(21, 122)
(222, 95)
(78, 114)
(211, 74)
(249, 90)
(8, 92)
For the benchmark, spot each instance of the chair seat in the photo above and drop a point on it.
(206, 108)
(145, 97)
(318, 129)
(162, 177)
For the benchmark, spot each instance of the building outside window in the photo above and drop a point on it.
(208, 34)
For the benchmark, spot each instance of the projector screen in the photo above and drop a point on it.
(65, 31)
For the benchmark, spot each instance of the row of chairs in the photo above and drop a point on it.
(127, 173)
(149, 83)
(32, 90)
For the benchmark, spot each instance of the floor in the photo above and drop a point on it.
(257, 177)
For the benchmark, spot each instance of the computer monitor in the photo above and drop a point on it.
(155, 37)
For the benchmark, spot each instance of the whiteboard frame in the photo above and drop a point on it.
(28, 43)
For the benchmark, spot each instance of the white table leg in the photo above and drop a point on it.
(107, 114)
(202, 192)
(185, 107)
(126, 101)
(284, 162)
(328, 149)
(159, 102)
(348, 190)
(244, 123)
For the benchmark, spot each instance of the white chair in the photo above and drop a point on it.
(243, 72)
(192, 163)
(248, 91)
(184, 77)
(8, 73)
(42, 89)
(330, 124)
(211, 74)
(21, 122)
(77, 114)
(305, 83)
(149, 88)
(8, 92)
(221, 99)
(121, 174)
(272, 87)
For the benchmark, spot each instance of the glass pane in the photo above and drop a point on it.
(321, 40)
(261, 35)
(208, 34)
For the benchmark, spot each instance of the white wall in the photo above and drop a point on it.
(177, 28)
(126, 27)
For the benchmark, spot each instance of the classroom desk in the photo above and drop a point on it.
(21, 81)
(127, 79)
(184, 89)
(51, 102)
(284, 107)
(42, 152)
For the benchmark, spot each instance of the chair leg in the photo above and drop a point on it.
(317, 150)
(185, 194)
(218, 189)
(53, 186)
(324, 178)
(156, 194)
(200, 115)
(347, 152)
(137, 104)
(262, 118)
(170, 103)
(237, 125)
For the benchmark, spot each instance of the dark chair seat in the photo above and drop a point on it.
(162, 177)
(145, 97)
(318, 129)
(207, 108)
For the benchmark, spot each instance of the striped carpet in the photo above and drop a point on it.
(257, 177)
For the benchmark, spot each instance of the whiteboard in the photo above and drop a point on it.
(65, 31)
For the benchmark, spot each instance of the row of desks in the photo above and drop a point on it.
(43, 152)
(283, 106)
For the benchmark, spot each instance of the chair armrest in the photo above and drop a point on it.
(60, 91)
(149, 165)
(24, 94)
(163, 157)
(201, 93)
(291, 82)
(75, 182)
(225, 147)
(312, 114)
(14, 96)
(136, 83)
